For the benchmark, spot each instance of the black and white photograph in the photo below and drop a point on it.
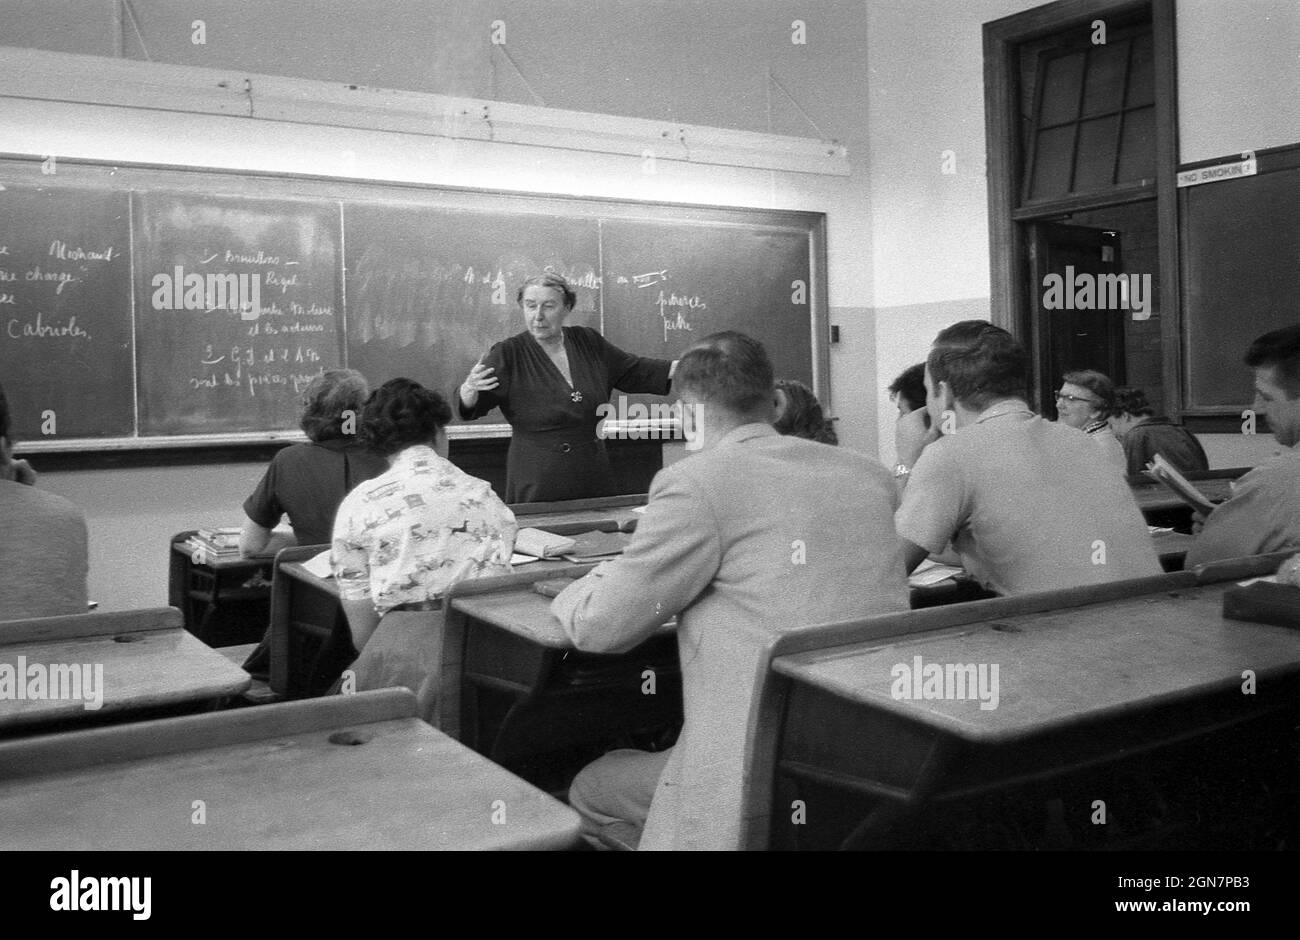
(596, 426)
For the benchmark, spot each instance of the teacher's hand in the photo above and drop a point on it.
(18, 471)
(480, 379)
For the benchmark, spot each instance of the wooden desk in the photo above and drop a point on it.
(1153, 496)
(345, 772)
(148, 663)
(525, 693)
(1125, 681)
(1172, 548)
(225, 601)
(310, 640)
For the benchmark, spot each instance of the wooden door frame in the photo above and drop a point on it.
(1008, 258)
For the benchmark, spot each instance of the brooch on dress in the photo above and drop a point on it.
(576, 396)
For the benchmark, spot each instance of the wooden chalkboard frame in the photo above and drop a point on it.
(1196, 416)
(100, 175)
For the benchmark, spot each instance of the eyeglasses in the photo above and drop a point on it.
(1088, 401)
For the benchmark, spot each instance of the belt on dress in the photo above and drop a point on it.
(560, 447)
(432, 604)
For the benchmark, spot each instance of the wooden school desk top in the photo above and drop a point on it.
(343, 772)
(525, 613)
(1064, 667)
(147, 661)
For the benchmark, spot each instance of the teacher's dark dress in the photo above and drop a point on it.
(554, 452)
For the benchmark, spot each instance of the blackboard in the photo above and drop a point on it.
(668, 285)
(205, 364)
(430, 290)
(219, 295)
(1240, 276)
(65, 313)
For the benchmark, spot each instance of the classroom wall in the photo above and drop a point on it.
(1238, 69)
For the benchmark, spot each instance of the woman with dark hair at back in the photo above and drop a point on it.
(404, 538)
(1144, 435)
(308, 481)
(798, 412)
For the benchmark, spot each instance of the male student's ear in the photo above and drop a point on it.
(18, 471)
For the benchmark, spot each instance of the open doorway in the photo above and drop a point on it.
(1115, 326)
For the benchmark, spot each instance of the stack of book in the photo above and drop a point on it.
(215, 544)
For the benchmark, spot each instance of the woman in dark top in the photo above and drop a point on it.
(308, 481)
(1144, 435)
(548, 381)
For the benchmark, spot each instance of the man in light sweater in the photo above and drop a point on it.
(1263, 514)
(43, 552)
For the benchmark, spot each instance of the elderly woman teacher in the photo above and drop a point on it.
(548, 381)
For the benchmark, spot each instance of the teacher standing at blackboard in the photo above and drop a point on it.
(548, 381)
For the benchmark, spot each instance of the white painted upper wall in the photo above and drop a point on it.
(1238, 71)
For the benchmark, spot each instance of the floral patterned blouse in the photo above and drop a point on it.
(407, 535)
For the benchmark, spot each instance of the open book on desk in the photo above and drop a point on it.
(1168, 474)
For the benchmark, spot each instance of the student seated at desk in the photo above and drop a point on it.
(403, 538)
(798, 412)
(1030, 504)
(752, 534)
(308, 481)
(1263, 514)
(1144, 435)
(43, 550)
(1085, 401)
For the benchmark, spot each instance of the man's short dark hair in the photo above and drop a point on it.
(980, 362)
(1281, 350)
(1131, 401)
(4, 414)
(1098, 383)
(910, 385)
(402, 413)
(325, 400)
(730, 370)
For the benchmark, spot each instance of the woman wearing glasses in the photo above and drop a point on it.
(1085, 401)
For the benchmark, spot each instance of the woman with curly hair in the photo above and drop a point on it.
(402, 539)
(799, 413)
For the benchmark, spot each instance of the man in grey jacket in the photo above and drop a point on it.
(753, 535)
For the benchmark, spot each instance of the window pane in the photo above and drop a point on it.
(1096, 160)
(1052, 162)
(1104, 90)
(1141, 81)
(1061, 81)
(1137, 150)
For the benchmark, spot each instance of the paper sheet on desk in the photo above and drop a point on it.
(929, 573)
(518, 559)
(319, 565)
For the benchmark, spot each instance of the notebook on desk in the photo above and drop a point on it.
(597, 546)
